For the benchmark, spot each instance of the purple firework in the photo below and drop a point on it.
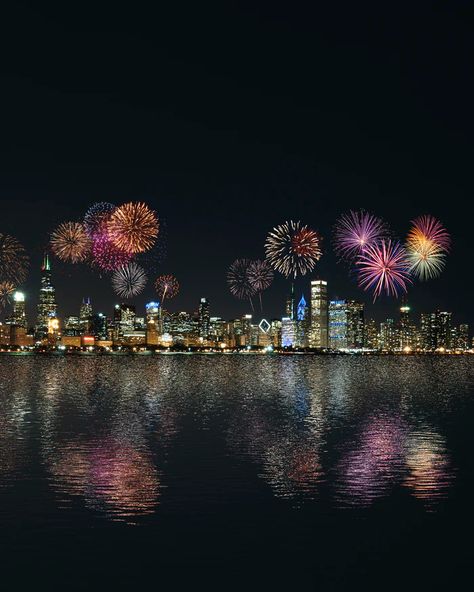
(384, 267)
(355, 231)
(105, 254)
(96, 217)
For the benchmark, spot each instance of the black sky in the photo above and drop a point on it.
(230, 118)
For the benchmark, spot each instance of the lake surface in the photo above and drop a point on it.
(259, 472)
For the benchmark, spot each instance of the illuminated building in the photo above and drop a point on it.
(217, 330)
(4, 334)
(371, 337)
(204, 319)
(318, 331)
(405, 329)
(275, 332)
(290, 303)
(72, 326)
(18, 317)
(436, 332)
(463, 337)
(302, 323)
(444, 330)
(388, 336)
(85, 316)
(152, 323)
(124, 318)
(288, 332)
(338, 324)
(53, 331)
(355, 324)
(99, 327)
(47, 306)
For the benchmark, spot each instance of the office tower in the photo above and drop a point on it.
(463, 337)
(444, 330)
(290, 303)
(217, 330)
(85, 316)
(54, 333)
(338, 324)
(98, 327)
(388, 336)
(427, 334)
(204, 319)
(355, 324)
(318, 332)
(371, 335)
(288, 332)
(302, 323)
(18, 317)
(405, 330)
(436, 331)
(152, 323)
(47, 307)
(72, 326)
(124, 318)
(246, 327)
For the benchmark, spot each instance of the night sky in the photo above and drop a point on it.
(229, 119)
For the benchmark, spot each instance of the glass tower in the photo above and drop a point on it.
(47, 307)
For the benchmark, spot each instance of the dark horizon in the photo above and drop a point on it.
(230, 121)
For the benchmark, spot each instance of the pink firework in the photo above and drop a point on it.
(432, 230)
(106, 256)
(355, 231)
(384, 267)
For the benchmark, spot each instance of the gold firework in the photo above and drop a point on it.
(70, 242)
(133, 227)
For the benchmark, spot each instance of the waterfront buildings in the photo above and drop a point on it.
(47, 307)
(318, 330)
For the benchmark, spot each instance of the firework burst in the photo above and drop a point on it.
(238, 280)
(70, 243)
(133, 227)
(105, 254)
(6, 292)
(384, 268)
(432, 230)
(355, 231)
(426, 258)
(260, 275)
(14, 261)
(167, 286)
(97, 217)
(129, 280)
(293, 249)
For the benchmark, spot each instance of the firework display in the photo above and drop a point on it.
(105, 254)
(238, 279)
(355, 231)
(432, 230)
(14, 261)
(260, 275)
(293, 249)
(97, 217)
(6, 292)
(167, 286)
(70, 242)
(425, 257)
(133, 227)
(129, 280)
(384, 268)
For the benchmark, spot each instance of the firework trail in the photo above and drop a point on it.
(133, 227)
(239, 282)
(293, 249)
(384, 268)
(427, 244)
(260, 276)
(355, 231)
(129, 280)
(14, 262)
(167, 286)
(70, 242)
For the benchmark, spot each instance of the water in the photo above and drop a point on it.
(256, 471)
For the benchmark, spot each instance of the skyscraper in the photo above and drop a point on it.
(204, 319)
(302, 323)
(338, 324)
(47, 307)
(355, 324)
(18, 317)
(318, 332)
(85, 316)
(152, 323)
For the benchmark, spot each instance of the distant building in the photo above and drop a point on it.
(388, 336)
(355, 324)
(18, 317)
(371, 335)
(85, 316)
(47, 307)
(204, 319)
(302, 323)
(288, 332)
(318, 331)
(338, 324)
(152, 323)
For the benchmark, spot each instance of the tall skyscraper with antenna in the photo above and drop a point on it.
(47, 307)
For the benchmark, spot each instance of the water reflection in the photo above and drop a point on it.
(111, 475)
(108, 433)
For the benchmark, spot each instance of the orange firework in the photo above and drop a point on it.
(14, 261)
(133, 227)
(6, 292)
(70, 242)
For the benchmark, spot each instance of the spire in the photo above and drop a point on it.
(46, 264)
